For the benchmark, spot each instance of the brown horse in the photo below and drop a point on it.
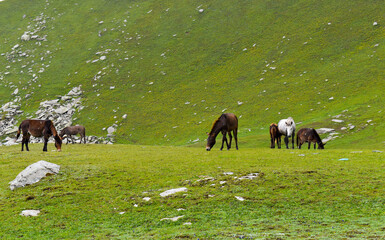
(73, 130)
(309, 135)
(275, 135)
(226, 123)
(38, 128)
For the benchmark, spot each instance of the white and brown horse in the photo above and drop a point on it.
(287, 128)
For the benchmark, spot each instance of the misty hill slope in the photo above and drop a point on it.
(174, 67)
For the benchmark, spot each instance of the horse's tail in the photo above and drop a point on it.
(297, 139)
(18, 132)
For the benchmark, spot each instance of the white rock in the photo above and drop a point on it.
(111, 130)
(33, 213)
(124, 116)
(324, 130)
(34, 173)
(173, 191)
(174, 219)
(103, 58)
(375, 24)
(146, 199)
(201, 10)
(337, 120)
(240, 198)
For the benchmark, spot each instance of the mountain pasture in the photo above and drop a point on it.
(113, 191)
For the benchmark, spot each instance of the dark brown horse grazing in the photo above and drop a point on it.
(309, 135)
(275, 135)
(73, 130)
(226, 123)
(38, 128)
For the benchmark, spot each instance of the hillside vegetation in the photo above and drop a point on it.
(173, 67)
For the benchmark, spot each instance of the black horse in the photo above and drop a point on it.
(226, 123)
(309, 135)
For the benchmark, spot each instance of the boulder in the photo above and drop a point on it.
(34, 173)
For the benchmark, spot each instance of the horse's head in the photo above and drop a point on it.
(321, 145)
(210, 142)
(58, 143)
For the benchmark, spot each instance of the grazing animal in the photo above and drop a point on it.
(275, 135)
(309, 135)
(226, 123)
(287, 128)
(73, 130)
(38, 128)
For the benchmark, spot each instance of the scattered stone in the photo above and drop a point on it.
(34, 173)
(337, 120)
(228, 173)
(32, 213)
(377, 151)
(250, 176)
(240, 198)
(187, 223)
(146, 199)
(174, 219)
(173, 191)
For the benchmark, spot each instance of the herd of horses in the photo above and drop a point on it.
(46, 129)
(228, 123)
(225, 124)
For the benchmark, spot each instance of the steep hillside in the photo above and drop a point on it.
(174, 67)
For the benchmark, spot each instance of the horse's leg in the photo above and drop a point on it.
(308, 147)
(235, 131)
(224, 139)
(231, 137)
(279, 142)
(26, 140)
(72, 140)
(287, 142)
(300, 144)
(45, 143)
(22, 143)
(292, 140)
(315, 144)
(272, 142)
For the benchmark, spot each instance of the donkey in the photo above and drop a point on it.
(287, 127)
(275, 135)
(309, 135)
(73, 130)
(38, 128)
(226, 123)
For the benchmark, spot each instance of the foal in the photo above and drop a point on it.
(73, 130)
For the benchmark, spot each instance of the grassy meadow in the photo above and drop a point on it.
(100, 190)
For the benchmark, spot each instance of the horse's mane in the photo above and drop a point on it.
(317, 136)
(216, 122)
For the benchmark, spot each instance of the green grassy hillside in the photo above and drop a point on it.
(177, 65)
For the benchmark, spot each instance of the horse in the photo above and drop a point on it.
(226, 123)
(275, 135)
(73, 130)
(38, 128)
(287, 128)
(309, 135)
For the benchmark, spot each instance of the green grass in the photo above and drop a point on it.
(314, 196)
(211, 59)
